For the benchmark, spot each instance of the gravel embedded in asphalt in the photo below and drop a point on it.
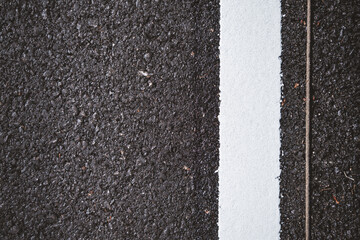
(335, 179)
(108, 120)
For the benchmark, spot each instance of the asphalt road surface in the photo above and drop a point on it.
(108, 119)
(335, 179)
(109, 128)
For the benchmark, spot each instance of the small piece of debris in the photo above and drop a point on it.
(348, 177)
(283, 102)
(186, 168)
(145, 74)
(147, 56)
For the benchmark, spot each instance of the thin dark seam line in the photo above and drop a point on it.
(307, 123)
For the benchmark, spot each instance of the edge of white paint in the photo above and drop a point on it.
(250, 46)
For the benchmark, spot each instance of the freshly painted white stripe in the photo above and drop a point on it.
(250, 47)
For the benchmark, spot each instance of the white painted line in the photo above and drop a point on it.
(250, 47)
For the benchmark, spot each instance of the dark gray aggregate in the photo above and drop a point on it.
(108, 119)
(335, 176)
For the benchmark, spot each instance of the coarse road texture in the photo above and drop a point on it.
(334, 172)
(108, 119)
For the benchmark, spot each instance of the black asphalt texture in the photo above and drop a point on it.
(335, 167)
(108, 119)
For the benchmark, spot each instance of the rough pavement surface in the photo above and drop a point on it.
(335, 167)
(108, 119)
(292, 123)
